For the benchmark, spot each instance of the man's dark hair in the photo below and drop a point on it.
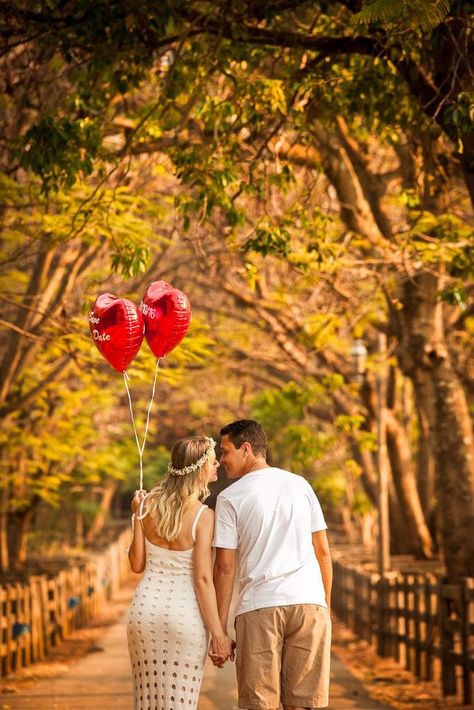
(247, 430)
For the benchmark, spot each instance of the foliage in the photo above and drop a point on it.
(426, 14)
(288, 169)
(298, 441)
(59, 150)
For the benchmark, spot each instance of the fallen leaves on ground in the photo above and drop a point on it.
(385, 679)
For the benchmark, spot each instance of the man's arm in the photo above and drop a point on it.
(323, 555)
(224, 574)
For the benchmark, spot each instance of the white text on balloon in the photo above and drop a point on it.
(147, 310)
(100, 336)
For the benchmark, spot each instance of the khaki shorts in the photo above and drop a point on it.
(282, 656)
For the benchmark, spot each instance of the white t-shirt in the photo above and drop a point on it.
(268, 516)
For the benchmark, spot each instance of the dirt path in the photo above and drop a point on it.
(100, 680)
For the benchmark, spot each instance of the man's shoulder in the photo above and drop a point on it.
(228, 492)
(295, 479)
(241, 487)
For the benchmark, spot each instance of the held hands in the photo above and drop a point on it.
(221, 650)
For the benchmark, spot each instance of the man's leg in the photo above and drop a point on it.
(306, 657)
(258, 658)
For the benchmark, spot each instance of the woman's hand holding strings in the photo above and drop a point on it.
(137, 499)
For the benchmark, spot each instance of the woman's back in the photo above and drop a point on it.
(186, 536)
(167, 637)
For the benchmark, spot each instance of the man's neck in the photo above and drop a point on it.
(257, 464)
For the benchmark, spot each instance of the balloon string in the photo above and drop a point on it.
(150, 404)
(141, 448)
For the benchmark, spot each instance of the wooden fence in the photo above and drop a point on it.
(36, 616)
(418, 619)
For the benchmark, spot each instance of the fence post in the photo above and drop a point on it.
(429, 628)
(367, 629)
(36, 635)
(467, 596)
(417, 623)
(373, 608)
(408, 622)
(448, 669)
(392, 617)
(381, 616)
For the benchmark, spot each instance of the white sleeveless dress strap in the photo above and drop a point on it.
(198, 515)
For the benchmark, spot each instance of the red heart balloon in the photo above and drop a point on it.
(117, 329)
(166, 312)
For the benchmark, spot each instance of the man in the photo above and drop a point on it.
(273, 520)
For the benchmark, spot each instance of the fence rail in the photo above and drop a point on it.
(35, 616)
(424, 623)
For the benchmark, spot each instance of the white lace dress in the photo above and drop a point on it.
(167, 638)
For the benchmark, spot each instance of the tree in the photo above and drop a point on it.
(298, 143)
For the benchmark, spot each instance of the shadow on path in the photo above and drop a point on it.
(346, 691)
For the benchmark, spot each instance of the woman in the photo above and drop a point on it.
(174, 608)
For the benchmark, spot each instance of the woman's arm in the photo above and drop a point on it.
(137, 552)
(205, 590)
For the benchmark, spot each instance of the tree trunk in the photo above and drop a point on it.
(78, 531)
(368, 526)
(357, 208)
(4, 556)
(350, 528)
(426, 462)
(455, 471)
(423, 355)
(369, 483)
(397, 523)
(467, 162)
(98, 523)
(417, 537)
(18, 535)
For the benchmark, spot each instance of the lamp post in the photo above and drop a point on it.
(359, 357)
(382, 462)
(359, 354)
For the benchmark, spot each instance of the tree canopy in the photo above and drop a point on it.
(304, 171)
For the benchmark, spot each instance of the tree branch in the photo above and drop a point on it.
(251, 34)
(14, 327)
(20, 402)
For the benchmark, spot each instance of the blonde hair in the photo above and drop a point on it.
(168, 501)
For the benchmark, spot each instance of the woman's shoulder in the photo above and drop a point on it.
(206, 518)
(207, 514)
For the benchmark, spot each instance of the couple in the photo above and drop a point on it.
(273, 520)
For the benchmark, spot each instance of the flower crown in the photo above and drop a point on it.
(193, 466)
